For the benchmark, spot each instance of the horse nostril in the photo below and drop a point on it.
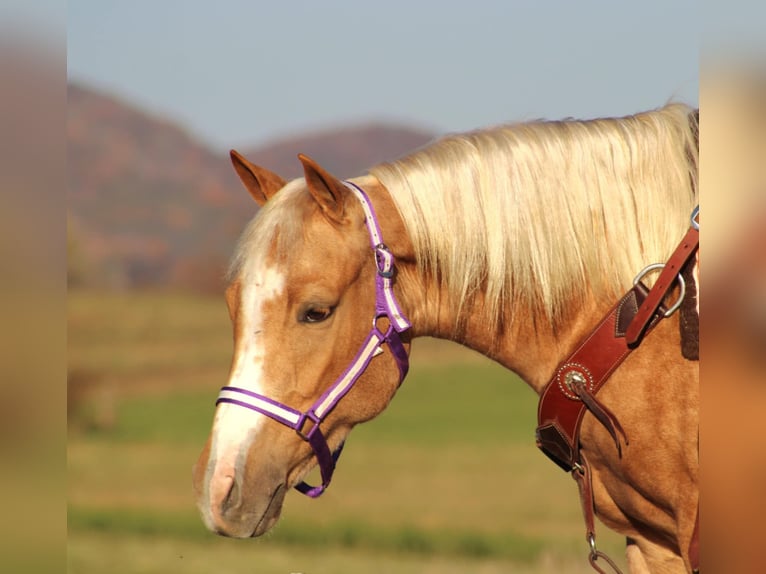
(224, 496)
(230, 498)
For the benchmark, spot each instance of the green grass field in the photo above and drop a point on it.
(446, 480)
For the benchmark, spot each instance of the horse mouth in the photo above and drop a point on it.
(272, 512)
(247, 522)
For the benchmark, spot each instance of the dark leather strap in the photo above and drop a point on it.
(602, 414)
(689, 324)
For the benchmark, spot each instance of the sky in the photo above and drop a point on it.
(242, 73)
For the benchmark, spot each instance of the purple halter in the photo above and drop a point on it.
(387, 307)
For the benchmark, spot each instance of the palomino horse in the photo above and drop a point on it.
(513, 241)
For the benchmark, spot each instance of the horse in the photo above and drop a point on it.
(513, 241)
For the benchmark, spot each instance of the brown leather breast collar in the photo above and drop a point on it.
(572, 389)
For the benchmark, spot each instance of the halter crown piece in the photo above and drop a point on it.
(386, 307)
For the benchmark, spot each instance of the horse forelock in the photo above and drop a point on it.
(274, 230)
(544, 214)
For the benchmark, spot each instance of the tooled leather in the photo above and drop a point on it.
(627, 309)
(602, 351)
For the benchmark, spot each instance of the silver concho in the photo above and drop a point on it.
(571, 373)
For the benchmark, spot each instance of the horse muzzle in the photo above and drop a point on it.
(235, 505)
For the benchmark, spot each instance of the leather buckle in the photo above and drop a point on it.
(655, 266)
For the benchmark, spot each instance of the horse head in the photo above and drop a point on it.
(304, 290)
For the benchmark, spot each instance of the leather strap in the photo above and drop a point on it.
(584, 484)
(581, 375)
(572, 391)
(602, 414)
(664, 282)
(566, 397)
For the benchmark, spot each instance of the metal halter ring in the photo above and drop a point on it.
(681, 282)
(592, 544)
(695, 218)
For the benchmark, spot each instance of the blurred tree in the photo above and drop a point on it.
(202, 273)
(77, 266)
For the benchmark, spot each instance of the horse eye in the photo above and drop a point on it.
(316, 314)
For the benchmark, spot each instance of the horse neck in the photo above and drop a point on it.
(526, 345)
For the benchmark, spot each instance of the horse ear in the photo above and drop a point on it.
(259, 181)
(328, 191)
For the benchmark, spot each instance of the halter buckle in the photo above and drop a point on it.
(308, 415)
(384, 260)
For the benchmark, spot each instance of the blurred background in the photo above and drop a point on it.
(159, 91)
(448, 479)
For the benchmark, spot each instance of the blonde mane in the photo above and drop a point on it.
(542, 214)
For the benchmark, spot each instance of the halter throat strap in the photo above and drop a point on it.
(307, 423)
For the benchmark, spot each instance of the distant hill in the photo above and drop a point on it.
(346, 151)
(151, 206)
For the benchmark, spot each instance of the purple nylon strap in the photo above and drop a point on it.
(306, 424)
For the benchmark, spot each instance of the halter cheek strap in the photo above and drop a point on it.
(307, 423)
